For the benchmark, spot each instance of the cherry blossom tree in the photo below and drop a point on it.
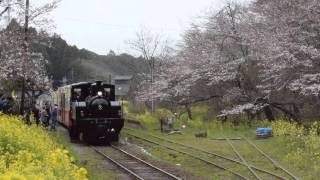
(284, 44)
(287, 44)
(282, 41)
(18, 60)
(253, 53)
(212, 54)
(153, 50)
(261, 58)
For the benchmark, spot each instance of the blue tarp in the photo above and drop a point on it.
(264, 131)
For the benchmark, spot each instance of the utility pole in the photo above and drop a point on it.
(25, 59)
(152, 90)
(109, 79)
(72, 80)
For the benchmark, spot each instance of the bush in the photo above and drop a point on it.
(282, 127)
(200, 113)
(305, 151)
(303, 143)
(27, 152)
(147, 119)
(162, 114)
(136, 108)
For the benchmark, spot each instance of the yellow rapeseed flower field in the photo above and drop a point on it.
(27, 152)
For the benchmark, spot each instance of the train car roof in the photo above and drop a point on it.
(83, 83)
(79, 84)
(74, 85)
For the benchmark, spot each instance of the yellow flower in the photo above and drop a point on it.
(28, 152)
(12, 176)
(65, 151)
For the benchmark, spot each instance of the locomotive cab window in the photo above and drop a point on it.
(77, 94)
(107, 92)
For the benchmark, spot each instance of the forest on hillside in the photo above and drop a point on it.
(74, 64)
(82, 65)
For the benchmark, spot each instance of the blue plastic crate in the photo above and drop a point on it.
(264, 132)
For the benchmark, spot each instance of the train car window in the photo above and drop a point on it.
(77, 94)
(107, 91)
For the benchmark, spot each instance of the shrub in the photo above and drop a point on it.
(136, 108)
(200, 113)
(303, 143)
(282, 127)
(27, 152)
(162, 113)
(147, 119)
(305, 151)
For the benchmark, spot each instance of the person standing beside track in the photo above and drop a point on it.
(49, 114)
(44, 116)
(170, 121)
(54, 118)
(36, 114)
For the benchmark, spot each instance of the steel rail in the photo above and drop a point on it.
(214, 154)
(270, 159)
(242, 159)
(191, 155)
(146, 163)
(118, 164)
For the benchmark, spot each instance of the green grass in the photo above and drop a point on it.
(281, 148)
(215, 146)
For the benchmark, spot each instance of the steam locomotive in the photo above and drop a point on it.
(89, 111)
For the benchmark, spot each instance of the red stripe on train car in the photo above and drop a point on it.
(67, 118)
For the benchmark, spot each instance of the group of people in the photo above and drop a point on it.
(6, 104)
(44, 116)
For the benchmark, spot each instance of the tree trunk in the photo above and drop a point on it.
(269, 114)
(296, 111)
(22, 97)
(291, 115)
(188, 111)
(33, 97)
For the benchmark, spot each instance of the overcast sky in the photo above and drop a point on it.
(101, 25)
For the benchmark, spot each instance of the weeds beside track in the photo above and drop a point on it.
(234, 166)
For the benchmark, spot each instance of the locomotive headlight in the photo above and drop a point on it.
(99, 93)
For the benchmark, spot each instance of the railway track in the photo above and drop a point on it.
(243, 160)
(187, 153)
(210, 155)
(132, 165)
(275, 164)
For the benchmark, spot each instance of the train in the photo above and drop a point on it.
(89, 111)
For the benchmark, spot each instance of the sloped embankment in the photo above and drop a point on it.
(28, 152)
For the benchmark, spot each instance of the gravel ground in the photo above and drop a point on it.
(143, 154)
(101, 169)
(98, 167)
